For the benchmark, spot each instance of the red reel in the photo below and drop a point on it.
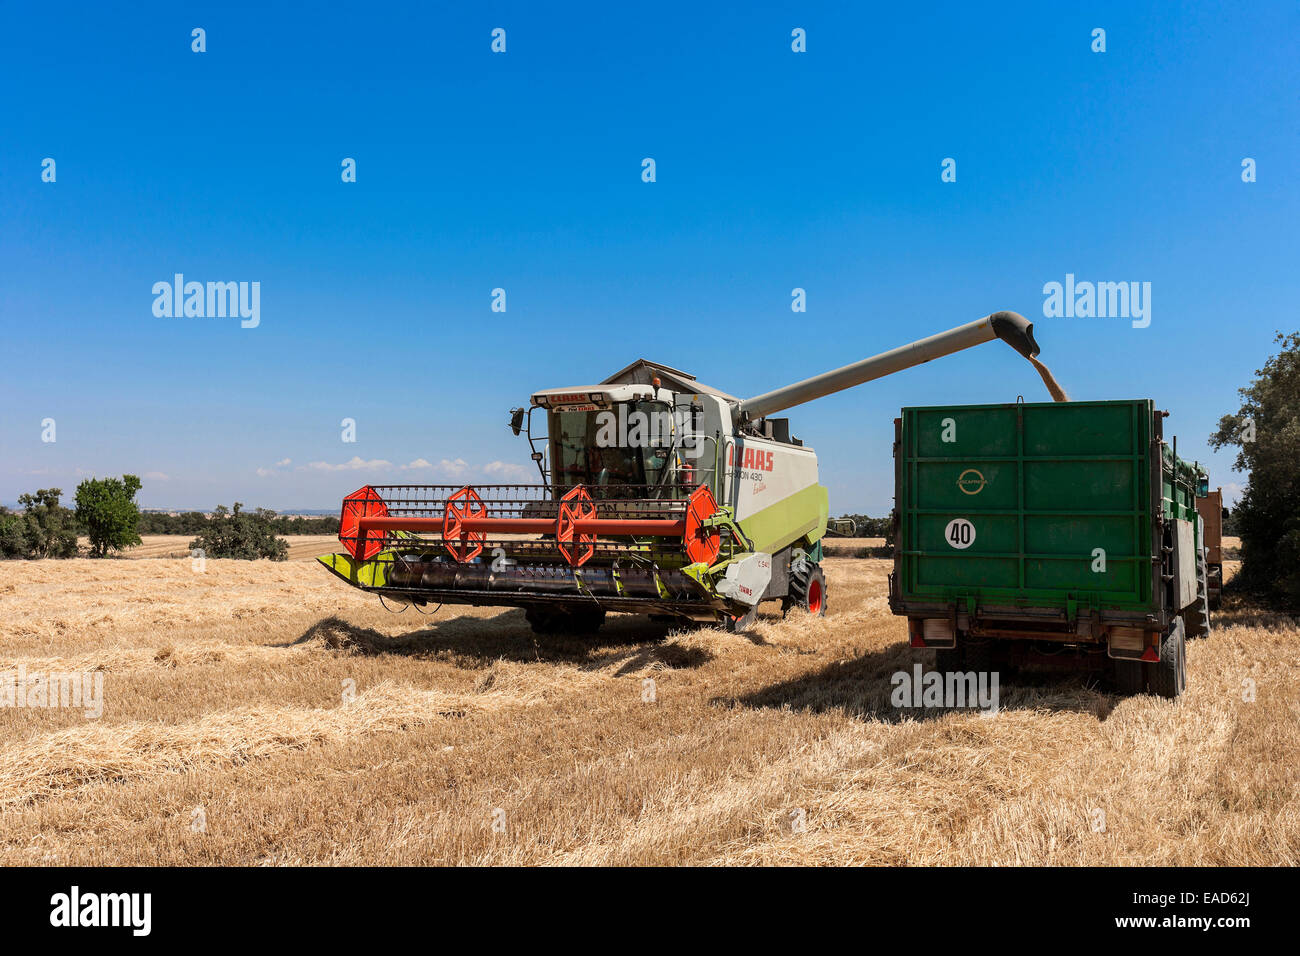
(464, 545)
(362, 503)
(575, 506)
(702, 544)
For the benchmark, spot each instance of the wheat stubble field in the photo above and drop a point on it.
(223, 690)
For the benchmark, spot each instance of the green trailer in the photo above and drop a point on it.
(1058, 534)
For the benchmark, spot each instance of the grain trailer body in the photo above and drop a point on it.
(1049, 533)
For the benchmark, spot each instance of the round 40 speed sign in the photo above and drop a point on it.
(959, 533)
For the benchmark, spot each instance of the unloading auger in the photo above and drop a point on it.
(659, 495)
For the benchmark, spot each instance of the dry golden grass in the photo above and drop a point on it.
(225, 690)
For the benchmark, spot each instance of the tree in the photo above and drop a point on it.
(106, 508)
(43, 529)
(1266, 434)
(239, 534)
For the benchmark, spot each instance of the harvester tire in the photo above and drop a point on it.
(1167, 677)
(809, 593)
(542, 620)
(546, 620)
(588, 620)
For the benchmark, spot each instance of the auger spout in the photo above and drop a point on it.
(1011, 327)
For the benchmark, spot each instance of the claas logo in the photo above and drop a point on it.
(755, 458)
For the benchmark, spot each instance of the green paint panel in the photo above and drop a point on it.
(1055, 499)
(1079, 428)
(800, 515)
(968, 484)
(963, 432)
(942, 573)
(1080, 486)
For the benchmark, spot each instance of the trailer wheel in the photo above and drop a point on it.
(1168, 676)
(949, 660)
(979, 656)
(1130, 676)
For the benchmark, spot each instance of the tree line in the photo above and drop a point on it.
(196, 522)
(106, 514)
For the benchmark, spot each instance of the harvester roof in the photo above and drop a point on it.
(644, 371)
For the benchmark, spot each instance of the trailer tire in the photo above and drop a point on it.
(949, 660)
(1167, 677)
(1130, 676)
(979, 656)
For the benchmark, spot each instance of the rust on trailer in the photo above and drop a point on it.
(1210, 509)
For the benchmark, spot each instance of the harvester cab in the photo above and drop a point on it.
(658, 495)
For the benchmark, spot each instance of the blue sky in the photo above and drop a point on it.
(522, 170)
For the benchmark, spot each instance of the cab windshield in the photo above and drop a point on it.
(624, 445)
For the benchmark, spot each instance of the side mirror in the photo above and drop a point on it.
(516, 420)
(1203, 487)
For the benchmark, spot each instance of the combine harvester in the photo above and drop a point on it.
(659, 495)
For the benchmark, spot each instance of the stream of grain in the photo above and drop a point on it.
(1053, 386)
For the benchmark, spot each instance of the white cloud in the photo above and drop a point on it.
(352, 464)
(1231, 492)
(157, 476)
(505, 469)
(274, 469)
(453, 469)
